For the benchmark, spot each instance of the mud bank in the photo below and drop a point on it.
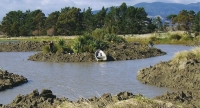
(10, 80)
(22, 46)
(45, 99)
(115, 52)
(187, 99)
(184, 75)
(123, 99)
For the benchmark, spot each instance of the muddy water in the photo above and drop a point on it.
(75, 80)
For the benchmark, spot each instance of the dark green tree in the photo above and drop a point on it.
(12, 23)
(121, 15)
(170, 19)
(39, 20)
(131, 20)
(111, 25)
(185, 19)
(51, 20)
(68, 22)
(33, 21)
(142, 20)
(196, 23)
(158, 22)
(99, 18)
(88, 20)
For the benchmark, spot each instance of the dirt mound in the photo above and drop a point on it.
(115, 52)
(45, 99)
(22, 46)
(188, 99)
(10, 80)
(164, 74)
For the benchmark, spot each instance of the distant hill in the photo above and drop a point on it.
(165, 9)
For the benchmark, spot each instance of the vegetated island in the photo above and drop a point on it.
(115, 52)
(82, 49)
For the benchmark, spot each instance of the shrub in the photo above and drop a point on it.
(87, 43)
(187, 38)
(35, 32)
(98, 33)
(174, 37)
(186, 55)
(51, 32)
(46, 49)
(196, 34)
(196, 52)
(61, 43)
(180, 56)
(153, 38)
(55, 48)
(114, 38)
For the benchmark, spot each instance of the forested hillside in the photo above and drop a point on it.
(165, 9)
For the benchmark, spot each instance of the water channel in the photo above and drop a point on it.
(86, 79)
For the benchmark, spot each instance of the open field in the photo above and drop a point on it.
(156, 38)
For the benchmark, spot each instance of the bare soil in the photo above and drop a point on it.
(124, 99)
(9, 80)
(184, 75)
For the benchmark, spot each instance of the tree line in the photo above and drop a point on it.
(72, 21)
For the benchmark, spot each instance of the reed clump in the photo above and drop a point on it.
(186, 55)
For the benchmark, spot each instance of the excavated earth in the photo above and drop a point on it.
(184, 75)
(46, 99)
(9, 80)
(22, 46)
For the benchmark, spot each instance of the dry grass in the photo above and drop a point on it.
(137, 102)
(180, 56)
(196, 52)
(185, 55)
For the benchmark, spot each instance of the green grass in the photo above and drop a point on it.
(165, 38)
(37, 38)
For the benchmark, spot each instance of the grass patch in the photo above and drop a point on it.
(37, 38)
(196, 52)
(174, 37)
(166, 38)
(186, 55)
(180, 56)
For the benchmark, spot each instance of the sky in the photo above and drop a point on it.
(48, 6)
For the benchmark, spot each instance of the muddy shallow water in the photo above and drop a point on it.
(88, 79)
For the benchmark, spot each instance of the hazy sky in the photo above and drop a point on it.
(48, 6)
